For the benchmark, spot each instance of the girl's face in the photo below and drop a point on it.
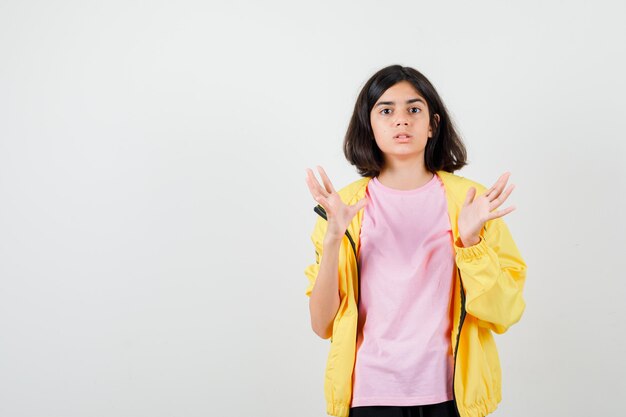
(401, 110)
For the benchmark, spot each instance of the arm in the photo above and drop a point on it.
(323, 276)
(493, 274)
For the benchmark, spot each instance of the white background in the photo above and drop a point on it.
(155, 221)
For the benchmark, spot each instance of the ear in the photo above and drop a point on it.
(430, 129)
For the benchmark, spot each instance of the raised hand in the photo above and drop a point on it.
(338, 213)
(477, 211)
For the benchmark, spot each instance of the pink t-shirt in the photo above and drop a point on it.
(404, 356)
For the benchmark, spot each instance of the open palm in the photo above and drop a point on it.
(477, 211)
(339, 214)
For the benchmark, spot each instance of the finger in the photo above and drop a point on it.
(501, 198)
(317, 188)
(318, 196)
(497, 188)
(500, 213)
(469, 197)
(310, 182)
(314, 185)
(322, 201)
(326, 180)
(493, 187)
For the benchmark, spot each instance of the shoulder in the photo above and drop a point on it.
(354, 191)
(459, 184)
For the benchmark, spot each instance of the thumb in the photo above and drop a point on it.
(470, 196)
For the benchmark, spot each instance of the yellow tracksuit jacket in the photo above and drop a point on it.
(487, 297)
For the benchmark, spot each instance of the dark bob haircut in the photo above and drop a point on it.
(444, 150)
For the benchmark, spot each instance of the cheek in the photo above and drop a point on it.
(378, 126)
(379, 132)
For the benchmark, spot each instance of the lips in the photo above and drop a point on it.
(402, 136)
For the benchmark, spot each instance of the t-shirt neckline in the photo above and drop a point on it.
(411, 191)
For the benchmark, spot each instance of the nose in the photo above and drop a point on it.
(401, 119)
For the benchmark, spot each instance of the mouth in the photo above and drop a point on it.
(402, 137)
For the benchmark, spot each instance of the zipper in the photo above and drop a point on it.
(458, 336)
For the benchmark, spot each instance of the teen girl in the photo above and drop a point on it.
(415, 267)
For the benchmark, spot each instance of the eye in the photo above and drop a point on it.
(416, 108)
(382, 111)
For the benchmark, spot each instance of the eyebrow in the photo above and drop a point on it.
(391, 103)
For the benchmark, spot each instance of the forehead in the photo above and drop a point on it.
(403, 91)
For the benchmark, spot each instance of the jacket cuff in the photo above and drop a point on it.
(470, 252)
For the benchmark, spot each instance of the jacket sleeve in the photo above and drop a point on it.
(317, 237)
(493, 275)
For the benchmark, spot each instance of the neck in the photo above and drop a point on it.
(404, 175)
